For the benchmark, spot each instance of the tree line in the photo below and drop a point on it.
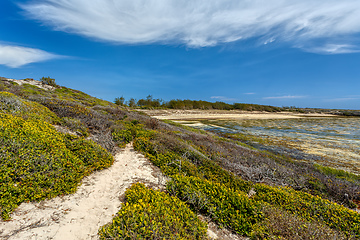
(150, 103)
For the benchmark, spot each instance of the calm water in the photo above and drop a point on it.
(335, 140)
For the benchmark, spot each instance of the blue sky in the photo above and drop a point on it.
(274, 52)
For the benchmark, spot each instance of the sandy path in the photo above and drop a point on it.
(79, 216)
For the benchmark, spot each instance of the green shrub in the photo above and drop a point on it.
(232, 209)
(150, 214)
(129, 131)
(341, 174)
(75, 125)
(91, 154)
(311, 208)
(280, 224)
(48, 81)
(37, 162)
(12, 104)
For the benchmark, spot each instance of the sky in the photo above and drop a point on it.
(273, 52)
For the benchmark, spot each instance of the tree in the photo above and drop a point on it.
(48, 81)
(119, 101)
(132, 102)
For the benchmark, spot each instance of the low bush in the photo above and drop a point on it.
(311, 208)
(12, 104)
(150, 214)
(37, 162)
(75, 125)
(280, 224)
(341, 174)
(229, 208)
(91, 154)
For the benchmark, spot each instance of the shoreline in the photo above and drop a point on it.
(176, 114)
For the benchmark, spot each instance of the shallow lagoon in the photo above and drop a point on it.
(334, 141)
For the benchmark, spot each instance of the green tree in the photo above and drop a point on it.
(48, 81)
(119, 101)
(132, 102)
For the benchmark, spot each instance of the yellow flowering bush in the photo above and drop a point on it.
(12, 104)
(150, 214)
(129, 131)
(91, 154)
(37, 162)
(229, 208)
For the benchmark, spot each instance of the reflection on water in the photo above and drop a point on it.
(336, 140)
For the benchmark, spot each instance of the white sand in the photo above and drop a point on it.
(173, 114)
(36, 83)
(79, 216)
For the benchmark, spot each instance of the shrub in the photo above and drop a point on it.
(12, 104)
(150, 214)
(91, 154)
(75, 125)
(37, 162)
(48, 81)
(229, 208)
(280, 224)
(128, 132)
(311, 208)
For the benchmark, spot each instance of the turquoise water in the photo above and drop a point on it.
(335, 140)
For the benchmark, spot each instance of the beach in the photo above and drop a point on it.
(176, 114)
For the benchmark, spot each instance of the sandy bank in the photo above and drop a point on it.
(173, 114)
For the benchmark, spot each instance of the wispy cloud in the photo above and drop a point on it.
(285, 97)
(250, 93)
(343, 99)
(200, 23)
(335, 49)
(222, 98)
(16, 56)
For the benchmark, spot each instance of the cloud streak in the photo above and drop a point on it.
(201, 23)
(222, 98)
(285, 97)
(16, 56)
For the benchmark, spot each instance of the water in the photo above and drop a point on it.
(336, 141)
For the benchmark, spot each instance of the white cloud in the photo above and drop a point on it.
(200, 23)
(335, 49)
(15, 56)
(341, 99)
(222, 98)
(285, 97)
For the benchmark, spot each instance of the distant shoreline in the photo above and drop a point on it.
(176, 114)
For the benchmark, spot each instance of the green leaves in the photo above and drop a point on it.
(150, 214)
(232, 209)
(37, 162)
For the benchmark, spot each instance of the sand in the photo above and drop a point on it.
(79, 215)
(172, 114)
(33, 82)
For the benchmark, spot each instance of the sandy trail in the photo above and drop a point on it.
(79, 215)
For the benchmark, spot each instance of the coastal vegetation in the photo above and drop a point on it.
(51, 139)
(185, 104)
